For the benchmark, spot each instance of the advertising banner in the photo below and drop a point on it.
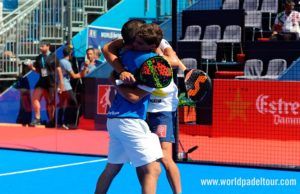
(257, 109)
(99, 36)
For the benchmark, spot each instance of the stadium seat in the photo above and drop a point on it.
(212, 33)
(270, 7)
(209, 52)
(252, 70)
(232, 34)
(275, 68)
(250, 5)
(190, 63)
(192, 33)
(231, 4)
(253, 19)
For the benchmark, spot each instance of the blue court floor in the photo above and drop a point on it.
(43, 173)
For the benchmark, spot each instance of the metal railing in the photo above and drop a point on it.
(80, 9)
(36, 20)
(14, 28)
(96, 3)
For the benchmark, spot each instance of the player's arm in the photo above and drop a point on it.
(110, 52)
(170, 55)
(173, 59)
(132, 94)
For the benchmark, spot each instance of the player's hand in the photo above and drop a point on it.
(127, 78)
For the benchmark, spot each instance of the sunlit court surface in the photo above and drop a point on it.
(23, 172)
(223, 85)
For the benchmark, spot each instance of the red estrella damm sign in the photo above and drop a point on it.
(260, 109)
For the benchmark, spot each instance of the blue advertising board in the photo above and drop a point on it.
(97, 36)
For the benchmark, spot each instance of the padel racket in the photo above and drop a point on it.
(155, 72)
(197, 84)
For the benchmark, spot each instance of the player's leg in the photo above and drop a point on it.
(148, 176)
(162, 124)
(106, 177)
(116, 157)
(36, 97)
(143, 149)
(172, 170)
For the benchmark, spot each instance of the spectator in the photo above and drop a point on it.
(98, 54)
(91, 61)
(286, 26)
(45, 65)
(68, 106)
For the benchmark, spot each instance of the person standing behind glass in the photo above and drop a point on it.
(45, 65)
(67, 114)
(91, 61)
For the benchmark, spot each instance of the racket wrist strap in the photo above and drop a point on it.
(186, 71)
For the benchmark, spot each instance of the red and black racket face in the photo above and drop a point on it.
(197, 84)
(155, 72)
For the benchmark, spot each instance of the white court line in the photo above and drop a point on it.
(51, 167)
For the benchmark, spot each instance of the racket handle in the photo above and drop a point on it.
(119, 82)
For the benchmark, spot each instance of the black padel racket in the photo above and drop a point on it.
(197, 84)
(155, 72)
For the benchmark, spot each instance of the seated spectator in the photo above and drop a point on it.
(286, 26)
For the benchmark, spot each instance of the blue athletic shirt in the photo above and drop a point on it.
(122, 108)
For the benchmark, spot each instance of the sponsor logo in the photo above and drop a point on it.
(155, 100)
(92, 33)
(283, 111)
(103, 102)
(110, 35)
(161, 131)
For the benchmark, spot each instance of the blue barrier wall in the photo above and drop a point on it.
(15, 103)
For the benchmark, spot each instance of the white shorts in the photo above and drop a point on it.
(132, 141)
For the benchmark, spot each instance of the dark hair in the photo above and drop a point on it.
(67, 51)
(151, 34)
(130, 29)
(289, 2)
(89, 49)
(44, 43)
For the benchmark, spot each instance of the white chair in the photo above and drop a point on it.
(192, 33)
(253, 19)
(275, 68)
(212, 33)
(190, 63)
(232, 34)
(270, 7)
(231, 4)
(252, 70)
(250, 5)
(209, 52)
